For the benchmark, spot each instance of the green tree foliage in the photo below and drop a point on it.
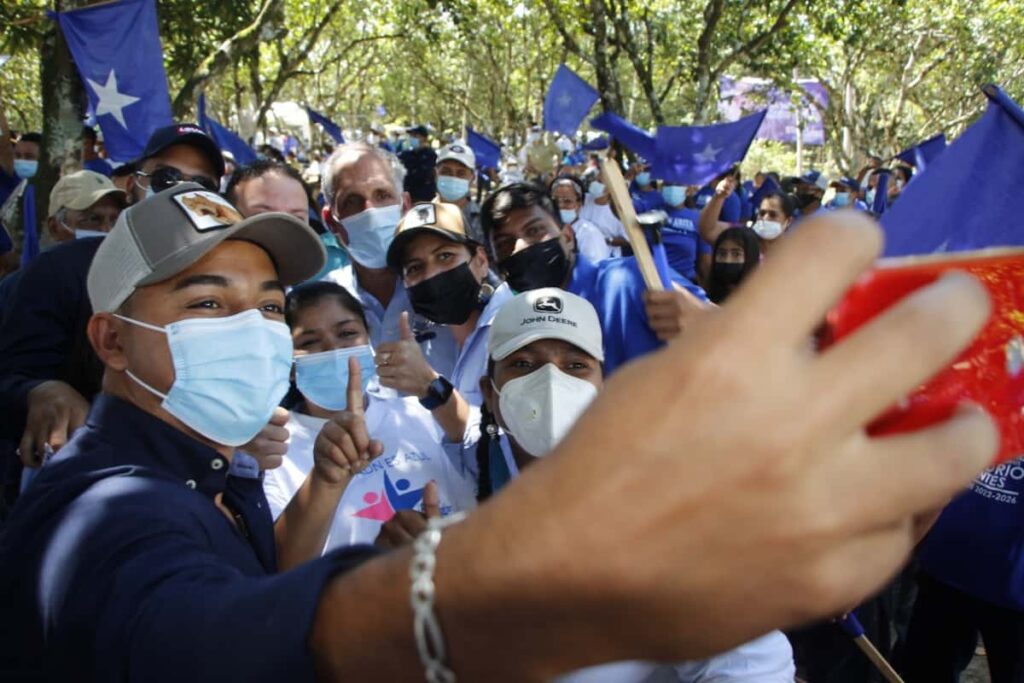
(896, 71)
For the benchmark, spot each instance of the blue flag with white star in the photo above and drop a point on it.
(969, 198)
(694, 155)
(633, 138)
(330, 127)
(924, 153)
(225, 138)
(486, 151)
(116, 48)
(568, 101)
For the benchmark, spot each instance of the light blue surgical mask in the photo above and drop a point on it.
(674, 195)
(25, 168)
(568, 216)
(412, 143)
(870, 198)
(229, 373)
(82, 234)
(370, 233)
(841, 199)
(451, 188)
(643, 179)
(323, 377)
(596, 189)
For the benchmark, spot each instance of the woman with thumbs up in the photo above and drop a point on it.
(446, 275)
(358, 454)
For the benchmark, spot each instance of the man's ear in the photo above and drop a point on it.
(406, 202)
(479, 263)
(105, 335)
(57, 231)
(333, 225)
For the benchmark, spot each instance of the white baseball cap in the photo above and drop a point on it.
(547, 313)
(458, 152)
(80, 190)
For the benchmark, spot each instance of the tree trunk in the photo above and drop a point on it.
(63, 99)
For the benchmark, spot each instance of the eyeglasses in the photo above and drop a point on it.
(167, 176)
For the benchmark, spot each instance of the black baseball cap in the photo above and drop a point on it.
(419, 129)
(183, 134)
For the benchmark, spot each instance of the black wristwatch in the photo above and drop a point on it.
(438, 393)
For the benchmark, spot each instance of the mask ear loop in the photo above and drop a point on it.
(162, 396)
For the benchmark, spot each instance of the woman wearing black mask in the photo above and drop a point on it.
(445, 274)
(737, 252)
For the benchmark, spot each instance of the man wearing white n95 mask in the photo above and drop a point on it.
(545, 369)
(365, 201)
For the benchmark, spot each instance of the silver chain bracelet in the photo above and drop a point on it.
(429, 639)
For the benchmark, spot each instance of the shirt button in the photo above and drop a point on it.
(191, 483)
(216, 463)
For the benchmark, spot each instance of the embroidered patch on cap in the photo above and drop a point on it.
(420, 215)
(206, 210)
(548, 304)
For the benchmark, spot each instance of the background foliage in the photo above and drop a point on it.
(897, 70)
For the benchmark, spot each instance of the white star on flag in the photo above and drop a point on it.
(565, 100)
(708, 154)
(110, 101)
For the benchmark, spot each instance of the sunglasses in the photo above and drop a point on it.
(165, 177)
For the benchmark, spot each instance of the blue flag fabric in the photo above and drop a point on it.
(881, 201)
(330, 127)
(30, 239)
(924, 153)
(487, 151)
(970, 197)
(694, 155)
(633, 138)
(226, 139)
(116, 48)
(568, 101)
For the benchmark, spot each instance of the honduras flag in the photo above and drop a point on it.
(487, 151)
(116, 47)
(568, 101)
(924, 153)
(634, 139)
(224, 137)
(694, 155)
(330, 127)
(970, 196)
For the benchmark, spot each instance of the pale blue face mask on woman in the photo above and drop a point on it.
(674, 195)
(229, 373)
(323, 377)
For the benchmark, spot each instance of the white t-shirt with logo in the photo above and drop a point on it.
(412, 457)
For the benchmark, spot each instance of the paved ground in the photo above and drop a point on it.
(977, 672)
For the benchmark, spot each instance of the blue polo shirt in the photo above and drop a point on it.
(616, 288)
(117, 565)
(731, 208)
(683, 244)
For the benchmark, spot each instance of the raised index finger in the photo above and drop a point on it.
(354, 392)
(803, 277)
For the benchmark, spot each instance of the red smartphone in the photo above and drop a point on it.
(990, 372)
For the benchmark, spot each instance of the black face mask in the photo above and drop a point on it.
(727, 273)
(448, 298)
(544, 264)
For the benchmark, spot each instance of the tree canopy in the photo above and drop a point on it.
(896, 72)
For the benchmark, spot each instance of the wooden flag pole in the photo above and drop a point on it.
(619, 192)
(876, 658)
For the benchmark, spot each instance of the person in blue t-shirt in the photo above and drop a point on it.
(847, 195)
(533, 249)
(687, 253)
(732, 208)
(972, 581)
(642, 191)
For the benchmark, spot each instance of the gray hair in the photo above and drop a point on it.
(358, 149)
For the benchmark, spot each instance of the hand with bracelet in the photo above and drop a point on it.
(753, 497)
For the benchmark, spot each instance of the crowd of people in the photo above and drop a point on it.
(274, 421)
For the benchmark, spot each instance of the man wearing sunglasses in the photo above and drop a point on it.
(176, 154)
(48, 371)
